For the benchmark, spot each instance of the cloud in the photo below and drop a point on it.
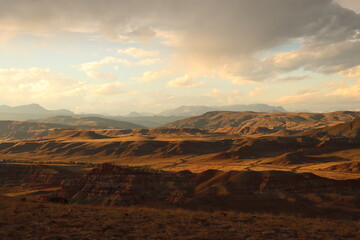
(259, 25)
(170, 38)
(103, 76)
(351, 4)
(209, 36)
(107, 89)
(352, 72)
(149, 61)
(319, 57)
(291, 78)
(214, 93)
(21, 86)
(138, 53)
(36, 84)
(91, 68)
(325, 98)
(150, 76)
(185, 81)
(256, 92)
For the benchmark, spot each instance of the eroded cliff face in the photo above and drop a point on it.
(114, 185)
(212, 189)
(249, 191)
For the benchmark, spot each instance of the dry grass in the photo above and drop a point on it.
(32, 220)
(196, 162)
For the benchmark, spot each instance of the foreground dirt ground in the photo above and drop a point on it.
(34, 220)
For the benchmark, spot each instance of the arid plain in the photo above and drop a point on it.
(267, 167)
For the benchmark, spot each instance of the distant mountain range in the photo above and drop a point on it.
(88, 122)
(31, 111)
(148, 120)
(189, 111)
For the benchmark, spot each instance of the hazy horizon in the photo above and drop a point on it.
(120, 56)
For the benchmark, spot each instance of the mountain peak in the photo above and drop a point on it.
(29, 111)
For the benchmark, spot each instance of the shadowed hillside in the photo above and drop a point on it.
(266, 191)
(247, 191)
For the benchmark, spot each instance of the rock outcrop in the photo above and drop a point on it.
(345, 167)
(114, 185)
(349, 129)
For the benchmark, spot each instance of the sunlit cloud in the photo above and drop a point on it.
(330, 98)
(150, 76)
(137, 52)
(20, 85)
(185, 81)
(90, 68)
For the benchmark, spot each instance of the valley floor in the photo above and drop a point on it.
(34, 220)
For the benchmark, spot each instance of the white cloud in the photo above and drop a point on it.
(93, 66)
(21, 86)
(150, 76)
(106, 89)
(90, 68)
(24, 85)
(256, 92)
(214, 93)
(185, 81)
(137, 52)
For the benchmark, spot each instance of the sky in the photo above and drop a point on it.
(120, 56)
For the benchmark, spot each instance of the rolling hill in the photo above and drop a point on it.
(17, 130)
(249, 123)
(20, 130)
